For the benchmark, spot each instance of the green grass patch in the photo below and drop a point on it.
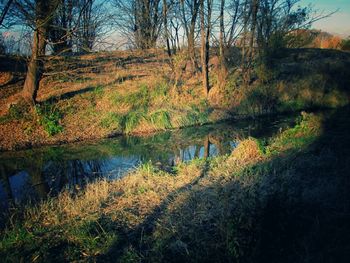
(49, 117)
(138, 99)
(113, 121)
(132, 119)
(19, 111)
(144, 96)
(17, 237)
(197, 115)
(90, 238)
(96, 93)
(5, 119)
(128, 122)
(161, 89)
(160, 119)
(210, 202)
(301, 135)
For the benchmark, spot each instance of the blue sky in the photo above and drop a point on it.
(339, 22)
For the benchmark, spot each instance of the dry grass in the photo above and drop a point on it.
(153, 214)
(98, 94)
(247, 151)
(93, 91)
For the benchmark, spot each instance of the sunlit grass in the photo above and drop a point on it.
(91, 223)
(152, 108)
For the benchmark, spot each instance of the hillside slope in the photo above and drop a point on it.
(104, 94)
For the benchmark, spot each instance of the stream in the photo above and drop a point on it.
(32, 175)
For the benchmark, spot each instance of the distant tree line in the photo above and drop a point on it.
(257, 28)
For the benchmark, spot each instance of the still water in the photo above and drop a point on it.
(32, 175)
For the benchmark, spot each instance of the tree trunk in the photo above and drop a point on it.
(43, 17)
(35, 67)
(190, 30)
(244, 38)
(222, 60)
(191, 49)
(254, 13)
(165, 15)
(206, 153)
(205, 34)
(255, 8)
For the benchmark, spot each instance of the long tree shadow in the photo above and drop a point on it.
(308, 219)
(292, 208)
(132, 237)
(77, 65)
(71, 94)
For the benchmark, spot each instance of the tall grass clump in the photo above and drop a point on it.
(132, 119)
(161, 89)
(308, 128)
(147, 168)
(248, 150)
(63, 228)
(113, 121)
(145, 96)
(138, 99)
(160, 119)
(90, 238)
(197, 115)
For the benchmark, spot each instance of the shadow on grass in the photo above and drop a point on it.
(71, 94)
(96, 64)
(293, 208)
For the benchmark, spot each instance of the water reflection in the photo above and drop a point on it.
(33, 174)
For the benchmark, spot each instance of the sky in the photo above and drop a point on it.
(338, 23)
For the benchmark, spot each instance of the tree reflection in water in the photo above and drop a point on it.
(34, 174)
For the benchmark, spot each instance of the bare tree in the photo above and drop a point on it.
(189, 11)
(174, 25)
(230, 29)
(140, 21)
(87, 26)
(205, 25)
(166, 28)
(79, 25)
(43, 12)
(278, 20)
(61, 31)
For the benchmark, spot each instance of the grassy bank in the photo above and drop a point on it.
(284, 199)
(294, 80)
(132, 92)
(105, 95)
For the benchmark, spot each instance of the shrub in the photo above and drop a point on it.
(260, 99)
(264, 73)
